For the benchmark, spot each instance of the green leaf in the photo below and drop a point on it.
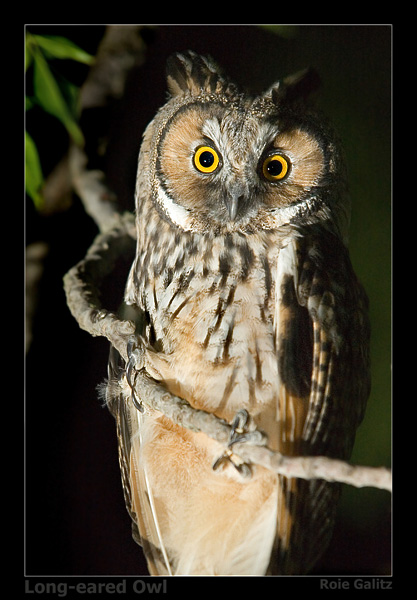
(28, 54)
(60, 47)
(50, 98)
(71, 94)
(33, 171)
(28, 102)
(285, 31)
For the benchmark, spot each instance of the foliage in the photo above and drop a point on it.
(285, 31)
(56, 96)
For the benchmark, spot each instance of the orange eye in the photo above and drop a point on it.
(275, 167)
(206, 159)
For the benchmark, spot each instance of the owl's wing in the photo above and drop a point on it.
(322, 335)
(136, 490)
(117, 404)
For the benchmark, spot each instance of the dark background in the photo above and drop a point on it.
(75, 519)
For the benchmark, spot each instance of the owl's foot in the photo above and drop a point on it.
(239, 427)
(228, 458)
(240, 434)
(134, 364)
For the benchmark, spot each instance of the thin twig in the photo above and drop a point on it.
(91, 187)
(82, 282)
(156, 397)
(317, 467)
(121, 49)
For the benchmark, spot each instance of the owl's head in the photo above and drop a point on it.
(217, 160)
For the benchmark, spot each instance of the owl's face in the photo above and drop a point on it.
(221, 161)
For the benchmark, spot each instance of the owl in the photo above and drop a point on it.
(249, 305)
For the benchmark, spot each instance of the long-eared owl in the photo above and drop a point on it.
(249, 302)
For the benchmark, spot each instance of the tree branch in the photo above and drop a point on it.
(82, 282)
(120, 50)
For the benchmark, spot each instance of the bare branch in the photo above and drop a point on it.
(318, 467)
(120, 50)
(82, 283)
(155, 396)
(91, 187)
(36, 253)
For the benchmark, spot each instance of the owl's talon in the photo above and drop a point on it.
(243, 468)
(226, 456)
(239, 423)
(133, 353)
(238, 434)
(253, 438)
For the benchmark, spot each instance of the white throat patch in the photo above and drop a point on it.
(178, 214)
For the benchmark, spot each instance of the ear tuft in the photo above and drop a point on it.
(296, 87)
(188, 72)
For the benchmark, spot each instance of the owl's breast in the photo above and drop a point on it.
(213, 321)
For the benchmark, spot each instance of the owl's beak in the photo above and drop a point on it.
(234, 198)
(232, 203)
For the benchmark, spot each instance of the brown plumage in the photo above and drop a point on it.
(249, 301)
